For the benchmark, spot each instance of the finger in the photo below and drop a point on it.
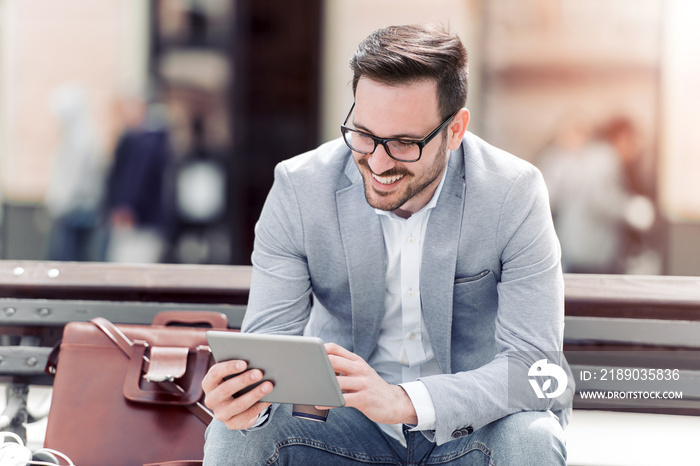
(255, 411)
(239, 408)
(224, 392)
(351, 384)
(355, 400)
(242, 408)
(246, 419)
(337, 350)
(341, 365)
(216, 373)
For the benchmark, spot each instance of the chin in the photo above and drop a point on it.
(382, 200)
(387, 202)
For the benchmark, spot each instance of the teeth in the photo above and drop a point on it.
(387, 179)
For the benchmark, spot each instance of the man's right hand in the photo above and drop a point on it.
(241, 412)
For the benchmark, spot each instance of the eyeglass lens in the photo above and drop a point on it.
(364, 144)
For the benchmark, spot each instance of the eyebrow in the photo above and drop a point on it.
(397, 136)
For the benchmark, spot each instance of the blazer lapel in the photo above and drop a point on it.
(440, 261)
(363, 242)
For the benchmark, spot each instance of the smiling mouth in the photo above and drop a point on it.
(387, 179)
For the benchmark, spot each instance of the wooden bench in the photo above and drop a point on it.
(639, 316)
(653, 321)
(604, 313)
(634, 322)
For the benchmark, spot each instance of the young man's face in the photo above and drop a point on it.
(408, 111)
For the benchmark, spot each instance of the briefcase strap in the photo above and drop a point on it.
(126, 345)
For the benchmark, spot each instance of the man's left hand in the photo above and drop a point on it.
(365, 390)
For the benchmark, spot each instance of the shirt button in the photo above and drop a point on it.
(412, 336)
(411, 240)
(411, 293)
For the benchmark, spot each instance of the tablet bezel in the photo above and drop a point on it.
(298, 365)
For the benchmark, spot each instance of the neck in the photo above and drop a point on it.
(403, 213)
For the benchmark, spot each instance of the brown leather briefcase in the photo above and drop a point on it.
(131, 394)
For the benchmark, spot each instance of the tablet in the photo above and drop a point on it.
(298, 366)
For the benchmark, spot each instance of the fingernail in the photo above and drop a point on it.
(265, 387)
(255, 375)
(240, 365)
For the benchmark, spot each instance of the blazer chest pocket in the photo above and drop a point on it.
(475, 295)
(473, 278)
(475, 290)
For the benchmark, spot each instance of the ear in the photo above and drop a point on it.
(457, 128)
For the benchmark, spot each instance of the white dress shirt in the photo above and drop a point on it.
(403, 352)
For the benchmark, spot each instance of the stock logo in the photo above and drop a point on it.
(542, 368)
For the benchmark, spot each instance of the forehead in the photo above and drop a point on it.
(388, 110)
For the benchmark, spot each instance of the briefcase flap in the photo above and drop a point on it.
(167, 387)
(166, 363)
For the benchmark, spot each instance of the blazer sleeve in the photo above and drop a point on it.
(280, 291)
(529, 321)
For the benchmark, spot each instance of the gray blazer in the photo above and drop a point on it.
(491, 286)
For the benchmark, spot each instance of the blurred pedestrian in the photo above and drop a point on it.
(590, 197)
(136, 199)
(77, 179)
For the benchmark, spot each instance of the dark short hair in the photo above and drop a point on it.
(403, 54)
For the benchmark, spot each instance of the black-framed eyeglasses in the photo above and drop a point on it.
(399, 149)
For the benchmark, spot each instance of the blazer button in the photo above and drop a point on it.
(463, 432)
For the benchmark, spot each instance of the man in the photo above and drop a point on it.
(426, 259)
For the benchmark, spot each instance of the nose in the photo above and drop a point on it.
(379, 161)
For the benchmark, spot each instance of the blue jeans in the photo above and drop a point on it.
(349, 438)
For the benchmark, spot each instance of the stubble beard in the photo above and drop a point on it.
(384, 200)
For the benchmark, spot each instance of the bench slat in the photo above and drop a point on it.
(57, 313)
(656, 332)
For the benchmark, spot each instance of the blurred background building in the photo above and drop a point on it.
(206, 96)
